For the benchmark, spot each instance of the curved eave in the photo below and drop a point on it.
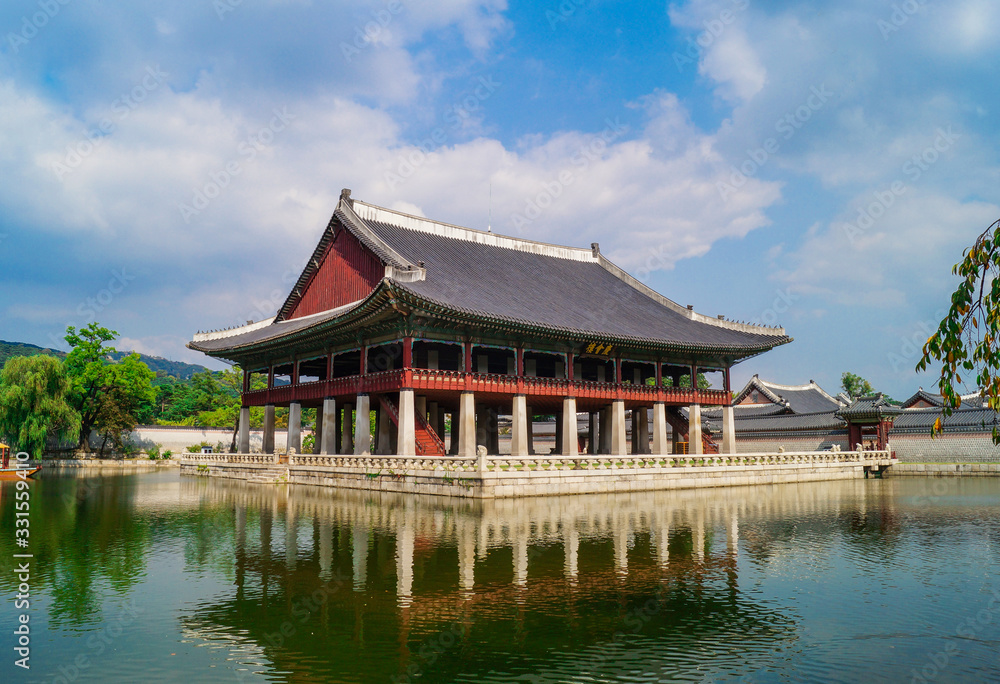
(388, 292)
(462, 316)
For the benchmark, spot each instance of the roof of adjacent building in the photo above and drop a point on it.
(807, 398)
(872, 407)
(504, 279)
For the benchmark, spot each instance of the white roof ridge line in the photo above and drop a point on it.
(441, 228)
(691, 314)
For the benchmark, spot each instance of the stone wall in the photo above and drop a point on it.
(946, 448)
(791, 442)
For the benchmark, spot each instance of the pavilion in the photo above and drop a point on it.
(422, 321)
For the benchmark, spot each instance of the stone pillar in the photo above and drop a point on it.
(318, 431)
(383, 439)
(559, 433)
(493, 431)
(733, 534)
(519, 426)
(362, 426)
(570, 434)
(243, 446)
(406, 439)
(604, 434)
(636, 447)
(268, 447)
(694, 430)
(663, 544)
(643, 430)
(619, 440)
(660, 429)
(467, 420)
(531, 430)
(482, 427)
(592, 433)
(328, 443)
(294, 427)
(347, 430)
(728, 430)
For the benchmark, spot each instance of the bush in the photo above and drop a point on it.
(153, 452)
(196, 448)
(167, 454)
(308, 444)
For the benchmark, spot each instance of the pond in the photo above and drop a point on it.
(158, 578)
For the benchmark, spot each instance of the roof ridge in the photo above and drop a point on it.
(372, 212)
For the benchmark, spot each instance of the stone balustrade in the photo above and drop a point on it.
(509, 464)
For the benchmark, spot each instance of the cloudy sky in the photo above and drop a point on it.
(168, 167)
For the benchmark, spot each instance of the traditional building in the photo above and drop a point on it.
(423, 321)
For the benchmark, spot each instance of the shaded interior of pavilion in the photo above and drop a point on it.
(431, 420)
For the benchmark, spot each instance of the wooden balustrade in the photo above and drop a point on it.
(426, 380)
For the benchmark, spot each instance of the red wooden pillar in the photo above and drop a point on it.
(364, 360)
(659, 373)
(519, 356)
(407, 352)
(246, 381)
(295, 371)
(408, 362)
(618, 370)
(270, 377)
(569, 366)
(729, 391)
(468, 357)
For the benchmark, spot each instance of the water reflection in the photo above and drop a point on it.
(797, 582)
(363, 582)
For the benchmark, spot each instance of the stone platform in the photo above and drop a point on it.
(495, 477)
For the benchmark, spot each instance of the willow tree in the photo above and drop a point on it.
(967, 342)
(33, 403)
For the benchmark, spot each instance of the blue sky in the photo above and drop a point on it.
(819, 165)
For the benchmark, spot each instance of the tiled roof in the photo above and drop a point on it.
(808, 398)
(870, 408)
(573, 290)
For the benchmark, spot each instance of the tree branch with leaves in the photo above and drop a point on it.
(967, 342)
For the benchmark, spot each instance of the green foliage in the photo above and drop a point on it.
(196, 448)
(153, 452)
(33, 403)
(308, 444)
(108, 396)
(856, 386)
(685, 382)
(966, 341)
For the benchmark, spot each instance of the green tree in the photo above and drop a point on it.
(967, 340)
(33, 403)
(106, 395)
(856, 386)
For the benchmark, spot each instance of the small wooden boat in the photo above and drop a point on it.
(8, 473)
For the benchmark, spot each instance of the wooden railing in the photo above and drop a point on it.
(424, 379)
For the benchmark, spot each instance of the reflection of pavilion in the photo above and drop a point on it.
(396, 570)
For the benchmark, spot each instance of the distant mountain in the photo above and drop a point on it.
(177, 369)
(9, 349)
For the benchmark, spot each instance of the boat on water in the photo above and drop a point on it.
(14, 473)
